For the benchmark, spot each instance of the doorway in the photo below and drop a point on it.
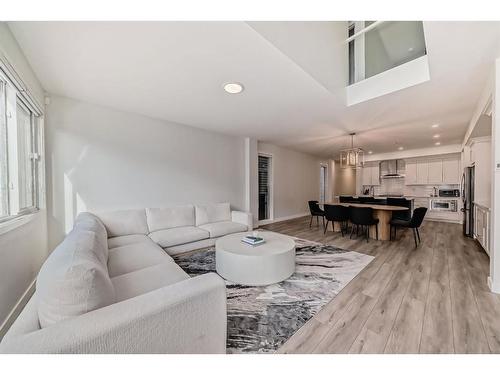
(265, 187)
(323, 181)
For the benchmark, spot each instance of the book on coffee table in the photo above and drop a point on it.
(252, 240)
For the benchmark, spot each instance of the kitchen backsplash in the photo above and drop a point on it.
(396, 186)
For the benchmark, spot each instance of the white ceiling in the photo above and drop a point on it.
(293, 73)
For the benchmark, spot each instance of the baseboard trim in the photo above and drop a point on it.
(14, 313)
(284, 218)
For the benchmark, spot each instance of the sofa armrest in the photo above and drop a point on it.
(186, 317)
(242, 217)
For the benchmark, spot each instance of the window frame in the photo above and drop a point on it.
(14, 93)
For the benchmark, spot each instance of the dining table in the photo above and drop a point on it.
(382, 212)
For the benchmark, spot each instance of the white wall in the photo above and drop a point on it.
(22, 248)
(103, 159)
(345, 180)
(295, 180)
(494, 279)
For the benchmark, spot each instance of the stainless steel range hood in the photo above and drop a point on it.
(392, 169)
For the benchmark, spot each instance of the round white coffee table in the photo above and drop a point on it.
(265, 264)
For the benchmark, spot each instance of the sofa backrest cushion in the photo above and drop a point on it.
(212, 213)
(73, 279)
(125, 222)
(89, 222)
(172, 217)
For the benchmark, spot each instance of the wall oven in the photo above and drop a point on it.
(448, 205)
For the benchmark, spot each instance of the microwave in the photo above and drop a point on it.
(449, 192)
(449, 205)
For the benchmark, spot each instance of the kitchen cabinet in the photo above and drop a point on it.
(422, 172)
(451, 171)
(481, 158)
(367, 175)
(481, 226)
(371, 175)
(411, 173)
(435, 172)
(375, 174)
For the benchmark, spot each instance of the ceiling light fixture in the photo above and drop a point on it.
(437, 143)
(435, 126)
(370, 152)
(352, 157)
(401, 148)
(233, 87)
(436, 136)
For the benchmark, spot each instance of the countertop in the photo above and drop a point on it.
(378, 196)
(374, 206)
(443, 198)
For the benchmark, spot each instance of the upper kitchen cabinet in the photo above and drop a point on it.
(422, 172)
(371, 174)
(376, 174)
(451, 171)
(481, 159)
(435, 172)
(411, 173)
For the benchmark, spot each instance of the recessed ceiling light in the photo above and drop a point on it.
(233, 87)
(437, 143)
(436, 136)
(435, 126)
(370, 152)
(401, 148)
(410, 49)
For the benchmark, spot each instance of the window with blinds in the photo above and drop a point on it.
(19, 151)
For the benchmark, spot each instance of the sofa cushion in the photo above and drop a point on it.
(88, 222)
(212, 213)
(146, 280)
(133, 257)
(123, 223)
(177, 236)
(128, 240)
(222, 228)
(173, 217)
(73, 280)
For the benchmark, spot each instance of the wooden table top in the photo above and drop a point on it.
(381, 207)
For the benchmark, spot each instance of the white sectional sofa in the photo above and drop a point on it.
(112, 287)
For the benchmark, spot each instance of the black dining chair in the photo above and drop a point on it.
(414, 223)
(316, 211)
(363, 216)
(337, 213)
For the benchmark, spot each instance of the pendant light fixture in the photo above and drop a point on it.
(352, 157)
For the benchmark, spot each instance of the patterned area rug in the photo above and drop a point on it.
(260, 319)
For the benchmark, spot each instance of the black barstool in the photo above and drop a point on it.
(363, 216)
(414, 223)
(336, 213)
(316, 211)
(400, 202)
(345, 198)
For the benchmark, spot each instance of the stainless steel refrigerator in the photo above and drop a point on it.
(468, 199)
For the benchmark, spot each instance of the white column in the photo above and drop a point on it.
(252, 179)
(494, 280)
